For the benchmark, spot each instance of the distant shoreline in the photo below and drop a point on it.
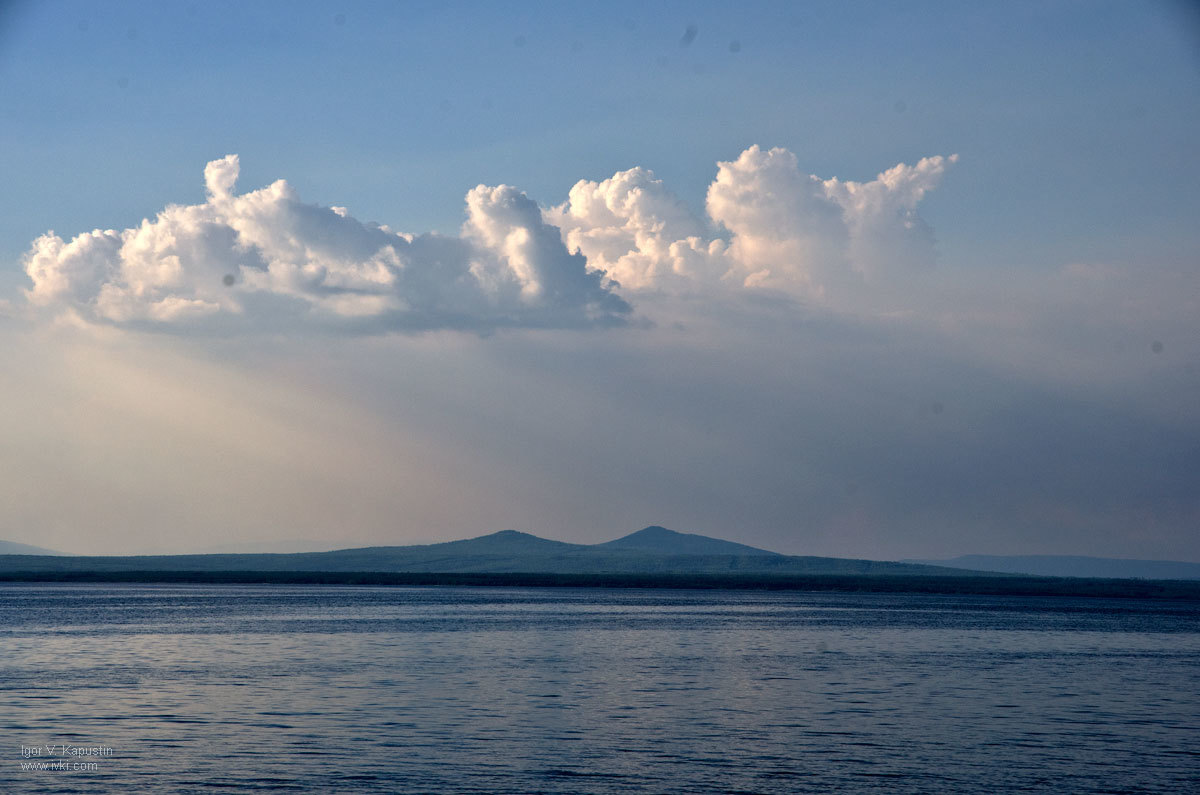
(1004, 585)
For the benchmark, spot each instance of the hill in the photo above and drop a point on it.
(661, 540)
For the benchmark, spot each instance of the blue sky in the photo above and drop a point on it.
(1070, 117)
(1049, 259)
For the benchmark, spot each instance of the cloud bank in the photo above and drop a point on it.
(263, 256)
(266, 258)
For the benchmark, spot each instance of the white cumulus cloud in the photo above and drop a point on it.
(264, 256)
(783, 228)
(881, 215)
(638, 231)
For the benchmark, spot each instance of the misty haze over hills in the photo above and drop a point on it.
(13, 548)
(1072, 566)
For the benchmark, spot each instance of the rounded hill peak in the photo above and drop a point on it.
(656, 538)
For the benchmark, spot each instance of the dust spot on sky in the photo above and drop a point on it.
(227, 280)
(340, 19)
(83, 26)
(662, 61)
(577, 46)
(689, 36)
(519, 41)
(629, 24)
(1156, 346)
(937, 407)
(123, 81)
(735, 46)
(900, 106)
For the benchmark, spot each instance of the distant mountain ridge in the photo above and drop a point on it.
(652, 550)
(13, 548)
(1072, 566)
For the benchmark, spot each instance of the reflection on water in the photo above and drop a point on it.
(329, 689)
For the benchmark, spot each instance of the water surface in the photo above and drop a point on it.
(211, 688)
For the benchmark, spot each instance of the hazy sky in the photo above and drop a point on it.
(860, 279)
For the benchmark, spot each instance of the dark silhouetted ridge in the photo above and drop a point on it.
(650, 551)
(504, 542)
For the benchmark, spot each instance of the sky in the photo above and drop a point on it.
(876, 280)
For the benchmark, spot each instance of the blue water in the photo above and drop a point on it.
(331, 689)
